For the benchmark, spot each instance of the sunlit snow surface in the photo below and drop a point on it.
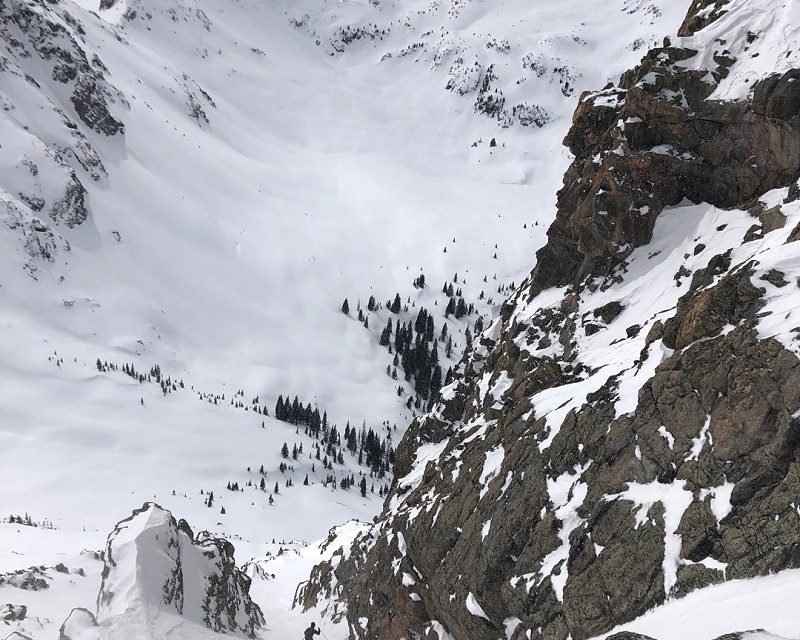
(222, 250)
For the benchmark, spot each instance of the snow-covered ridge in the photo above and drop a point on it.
(516, 64)
(760, 37)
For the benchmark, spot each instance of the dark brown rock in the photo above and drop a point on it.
(628, 635)
(735, 151)
(698, 19)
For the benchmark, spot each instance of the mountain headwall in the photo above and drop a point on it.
(627, 431)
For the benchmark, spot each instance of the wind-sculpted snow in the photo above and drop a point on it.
(153, 562)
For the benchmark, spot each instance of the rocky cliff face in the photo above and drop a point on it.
(628, 430)
(57, 103)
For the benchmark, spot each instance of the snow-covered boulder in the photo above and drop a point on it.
(80, 624)
(152, 560)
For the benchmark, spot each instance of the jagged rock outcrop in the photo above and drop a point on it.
(656, 140)
(152, 559)
(57, 106)
(31, 579)
(42, 35)
(11, 612)
(627, 431)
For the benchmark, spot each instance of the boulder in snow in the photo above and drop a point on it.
(153, 560)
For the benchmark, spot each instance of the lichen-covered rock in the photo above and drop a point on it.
(151, 558)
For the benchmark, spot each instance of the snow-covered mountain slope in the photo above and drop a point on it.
(626, 432)
(256, 184)
(198, 187)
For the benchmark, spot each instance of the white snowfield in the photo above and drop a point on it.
(273, 164)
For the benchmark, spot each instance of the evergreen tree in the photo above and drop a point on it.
(315, 422)
(436, 380)
(345, 307)
(363, 487)
(285, 450)
(421, 321)
(386, 334)
(371, 303)
(396, 304)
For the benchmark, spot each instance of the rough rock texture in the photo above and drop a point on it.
(152, 558)
(12, 612)
(32, 579)
(654, 141)
(551, 493)
(56, 105)
(54, 38)
(697, 19)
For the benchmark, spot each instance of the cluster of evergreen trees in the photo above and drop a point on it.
(27, 521)
(416, 351)
(415, 343)
(456, 306)
(167, 384)
(295, 412)
(372, 450)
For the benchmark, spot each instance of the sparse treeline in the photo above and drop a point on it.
(169, 384)
(154, 375)
(27, 521)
